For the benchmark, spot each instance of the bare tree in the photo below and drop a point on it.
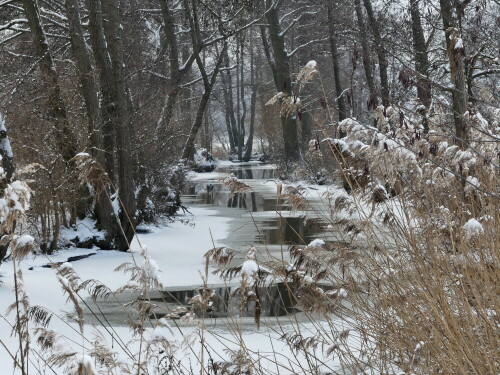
(280, 66)
(455, 52)
(370, 81)
(332, 38)
(421, 59)
(123, 126)
(380, 50)
(55, 103)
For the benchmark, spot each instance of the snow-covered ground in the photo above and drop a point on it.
(178, 250)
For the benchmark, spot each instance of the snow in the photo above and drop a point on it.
(15, 200)
(151, 269)
(341, 292)
(24, 240)
(174, 256)
(472, 228)
(88, 364)
(316, 242)
(84, 229)
(4, 142)
(249, 268)
(82, 154)
(311, 64)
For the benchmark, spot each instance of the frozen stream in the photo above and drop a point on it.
(216, 218)
(254, 218)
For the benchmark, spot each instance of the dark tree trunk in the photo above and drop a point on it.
(208, 81)
(84, 65)
(188, 152)
(176, 72)
(282, 79)
(66, 139)
(9, 168)
(229, 126)
(421, 59)
(457, 68)
(242, 106)
(306, 121)
(123, 128)
(332, 37)
(254, 81)
(373, 100)
(6, 153)
(380, 50)
(227, 84)
(103, 209)
(105, 70)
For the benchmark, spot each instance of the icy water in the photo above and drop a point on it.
(257, 219)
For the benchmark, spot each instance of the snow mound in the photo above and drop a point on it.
(472, 228)
(316, 242)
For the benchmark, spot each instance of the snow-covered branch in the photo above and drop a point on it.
(305, 45)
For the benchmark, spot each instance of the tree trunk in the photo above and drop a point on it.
(227, 82)
(9, 168)
(6, 153)
(208, 82)
(456, 56)
(66, 139)
(227, 106)
(306, 121)
(188, 152)
(242, 108)
(176, 72)
(88, 85)
(421, 60)
(380, 50)
(373, 100)
(332, 37)
(123, 129)
(254, 81)
(105, 70)
(282, 80)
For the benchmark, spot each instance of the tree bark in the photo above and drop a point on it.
(282, 80)
(457, 68)
(6, 152)
(9, 168)
(306, 121)
(380, 50)
(87, 82)
(421, 59)
(177, 72)
(339, 92)
(373, 100)
(188, 152)
(208, 82)
(108, 95)
(254, 82)
(229, 126)
(66, 139)
(227, 84)
(242, 106)
(123, 128)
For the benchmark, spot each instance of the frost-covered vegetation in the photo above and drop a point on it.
(111, 110)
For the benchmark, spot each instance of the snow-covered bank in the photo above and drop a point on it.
(177, 248)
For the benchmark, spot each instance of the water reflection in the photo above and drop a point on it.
(275, 300)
